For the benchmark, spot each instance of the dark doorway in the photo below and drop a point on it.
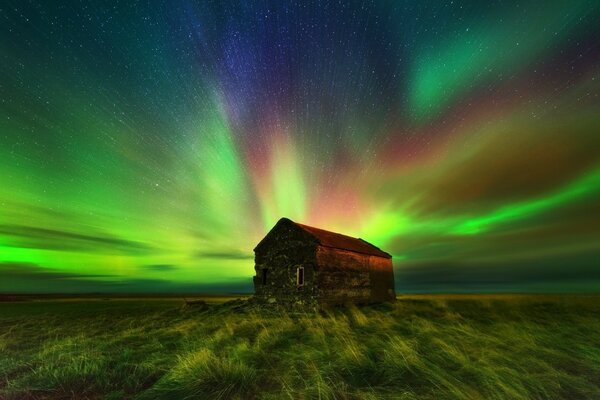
(264, 276)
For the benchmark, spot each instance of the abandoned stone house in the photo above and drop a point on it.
(296, 263)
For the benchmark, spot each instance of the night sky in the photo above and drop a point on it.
(148, 146)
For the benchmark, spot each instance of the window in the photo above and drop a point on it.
(264, 276)
(300, 276)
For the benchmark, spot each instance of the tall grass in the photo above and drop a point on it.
(438, 347)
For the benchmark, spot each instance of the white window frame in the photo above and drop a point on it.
(298, 276)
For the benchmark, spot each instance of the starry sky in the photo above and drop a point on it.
(148, 146)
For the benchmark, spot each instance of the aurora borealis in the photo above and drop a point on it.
(148, 146)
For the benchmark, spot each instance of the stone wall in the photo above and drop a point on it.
(281, 253)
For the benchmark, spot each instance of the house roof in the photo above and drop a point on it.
(339, 241)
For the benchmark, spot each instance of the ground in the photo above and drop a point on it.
(425, 347)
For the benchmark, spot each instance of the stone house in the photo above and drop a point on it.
(300, 264)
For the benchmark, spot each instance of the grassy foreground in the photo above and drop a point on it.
(437, 347)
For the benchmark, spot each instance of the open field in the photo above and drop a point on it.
(432, 347)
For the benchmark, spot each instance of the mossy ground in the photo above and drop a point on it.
(421, 347)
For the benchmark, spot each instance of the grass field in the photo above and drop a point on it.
(425, 347)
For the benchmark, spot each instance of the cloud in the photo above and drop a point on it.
(559, 273)
(225, 255)
(159, 267)
(54, 239)
(18, 270)
(32, 278)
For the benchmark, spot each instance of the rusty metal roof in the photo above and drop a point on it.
(343, 242)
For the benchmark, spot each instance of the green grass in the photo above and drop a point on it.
(421, 347)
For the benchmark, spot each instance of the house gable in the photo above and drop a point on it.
(285, 230)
